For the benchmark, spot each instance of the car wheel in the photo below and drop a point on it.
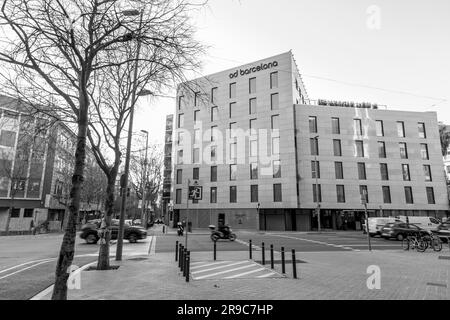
(132, 238)
(400, 237)
(91, 239)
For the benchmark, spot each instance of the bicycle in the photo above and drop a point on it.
(412, 242)
(433, 241)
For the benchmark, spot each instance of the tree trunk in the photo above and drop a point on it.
(103, 257)
(67, 250)
(8, 218)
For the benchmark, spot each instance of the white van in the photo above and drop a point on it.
(376, 224)
(427, 223)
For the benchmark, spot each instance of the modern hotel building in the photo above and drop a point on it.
(257, 144)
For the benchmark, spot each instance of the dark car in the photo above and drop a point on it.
(443, 231)
(89, 232)
(399, 230)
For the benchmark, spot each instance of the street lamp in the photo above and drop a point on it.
(144, 184)
(316, 167)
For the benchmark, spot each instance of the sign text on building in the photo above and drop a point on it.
(263, 66)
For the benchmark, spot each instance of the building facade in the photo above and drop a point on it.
(258, 146)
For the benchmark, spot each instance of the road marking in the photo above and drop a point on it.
(26, 263)
(245, 274)
(152, 246)
(224, 272)
(267, 275)
(221, 267)
(20, 270)
(208, 265)
(315, 241)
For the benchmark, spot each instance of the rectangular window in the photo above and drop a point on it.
(232, 109)
(315, 169)
(384, 172)
(430, 195)
(233, 129)
(197, 136)
(254, 194)
(233, 151)
(213, 95)
(276, 146)
(213, 153)
(214, 174)
(339, 170)
(424, 151)
(233, 90)
(178, 196)
(335, 126)
(427, 173)
(252, 127)
(422, 131)
(275, 122)
(380, 128)
(401, 129)
(233, 194)
(274, 80)
(214, 114)
(387, 195)
(314, 146)
(196, 116)
(253, 148)
(180, 121)
(358, 127)
(277, 193)
(180, 157)
(254, 171)
(15, 213)
(274, 101)
(196, 174)
(312, 124)
(7, 138)
(214, 195)
(252, 106)
(233, 172)
(252, 85)
(382, 149)
(277, 169)
(196, 155)
(403, 150)
(405, 172)
(364, 193)
(362, 171)
(196, 96)
(317, 191)
(337, 148)
(180, 138)
(409, 195)
(180, 102)
(28, 213)
(179, 176)
(340, 191)
(359, 148)
(214, 134)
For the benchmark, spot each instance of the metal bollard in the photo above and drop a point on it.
(294, 265)
(188, 265)
(272, 266)
(283, 261)
(164, 229)
(181, 257)
(176, 252)
(183, 263)
(250, 249)
(215, 250)
(263, 254)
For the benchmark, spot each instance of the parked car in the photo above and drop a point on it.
(443, 231)
(399, 230)
(89, 232)
(376, 224)
(427, 223)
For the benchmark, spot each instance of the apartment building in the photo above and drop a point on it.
(258, 146)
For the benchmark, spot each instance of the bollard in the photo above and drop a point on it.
(176, 252)
(188, 265)
(294, 265)
(263, 254)
(215, 250)
(283, 261)
(185, 262)
(181, 257)
(250, 249)
(164, 229)
(272, 266)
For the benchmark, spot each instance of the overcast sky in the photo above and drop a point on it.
(394, 53)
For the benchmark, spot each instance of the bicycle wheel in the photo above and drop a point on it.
(421, 245)
(406, 244)
(436, 244)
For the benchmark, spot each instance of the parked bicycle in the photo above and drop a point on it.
(433, 241)
(414, 242)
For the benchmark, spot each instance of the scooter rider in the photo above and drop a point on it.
(225, 229)
(180, 229)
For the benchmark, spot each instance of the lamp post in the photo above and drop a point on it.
(316, 167)
(144, 184)
(124, 180)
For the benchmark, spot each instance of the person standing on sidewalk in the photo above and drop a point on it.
(32, 228)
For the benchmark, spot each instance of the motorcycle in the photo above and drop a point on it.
(218, 235)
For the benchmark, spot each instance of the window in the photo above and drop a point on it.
(28, 213)
(180, 138)
(277, 193)
(254, 171)
(214, 134)
(7, 138)
(233, 129)
(335, 126)
(359, 148)
(403, 150)
(213, 95)
(196, 95)
(339, 170)
(233, 172)
(213, 153)
(427, 173)
(252, 106)
(276, 146)
(405, 172)
(180, 102)
(317, 191)
(233, 194)
(179, 176)
(233, 151)
(213, 195)
(362, 171)
(232, 109)
(274, 101)
(196, 155)
(387, 194)
(382, 149)
(312, 124)
(233, 90)
(340, 191)
(252, 85)
(315, 169)
(180, 157)
(214, 114)
(196, 116)
(401, 129)
(196, 174)
(254, 194)
(180, 121)
(364, 193)
(422, 131)
(384, 172)
(274, 80)
(430, 195)
(314, 146)
(409, 195)
(214, 174)
(277, 169)
(337, 148)
(252, 127)
(253, 148)
(358, 127)
(424, 151)
(197, 136)
(380, 128)
(178, 196)
(275, 122)
(15, 213)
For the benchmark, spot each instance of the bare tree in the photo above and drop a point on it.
(444, 136)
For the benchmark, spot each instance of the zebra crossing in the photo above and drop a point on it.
(229, 270)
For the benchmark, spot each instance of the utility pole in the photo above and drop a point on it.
(316, 165)
(144, 217)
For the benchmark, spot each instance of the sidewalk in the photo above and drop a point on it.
(325, 275)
